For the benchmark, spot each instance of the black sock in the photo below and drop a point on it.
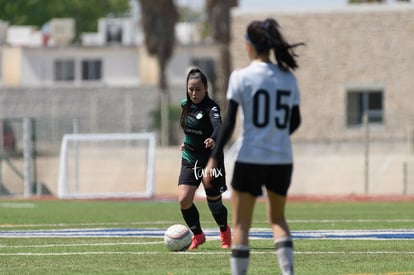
(219, 212)
(192, 218)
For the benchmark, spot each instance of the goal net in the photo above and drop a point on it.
(107, 166)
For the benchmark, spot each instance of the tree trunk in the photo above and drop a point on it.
(159, 18)
(220, 23)
(164, 106)
(225, 66)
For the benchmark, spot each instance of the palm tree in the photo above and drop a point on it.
(158, 20)
(219, 19)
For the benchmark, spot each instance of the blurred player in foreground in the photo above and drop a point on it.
(269, 97)
(201, 122)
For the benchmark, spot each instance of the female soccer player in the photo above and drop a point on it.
(269, 97)
(201, 122)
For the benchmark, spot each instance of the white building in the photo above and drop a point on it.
(113, 56)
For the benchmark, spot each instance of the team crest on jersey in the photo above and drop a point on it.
(199, 115)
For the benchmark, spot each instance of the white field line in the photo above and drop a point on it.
(17, 205)
(198, 253)
(78, 253)
(353, 221)
(206, 222)
(85, 224)
(77, 245)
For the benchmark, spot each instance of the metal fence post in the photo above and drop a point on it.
(28, 167)
(366, 141)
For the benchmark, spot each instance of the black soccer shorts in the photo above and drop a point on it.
(252, 177)
(192, 174)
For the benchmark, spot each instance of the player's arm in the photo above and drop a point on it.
(215, 119)
(295, 119)
(225, 134)
(226, 130)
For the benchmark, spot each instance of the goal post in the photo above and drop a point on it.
(112, 165)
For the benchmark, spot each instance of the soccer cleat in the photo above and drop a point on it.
(225, 238)
(197, 240)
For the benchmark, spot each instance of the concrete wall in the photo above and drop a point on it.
(345, 48)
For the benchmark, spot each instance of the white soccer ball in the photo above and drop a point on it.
(177, 237)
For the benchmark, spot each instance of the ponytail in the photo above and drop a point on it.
(265, 35)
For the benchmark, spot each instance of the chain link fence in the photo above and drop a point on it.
(331, 157)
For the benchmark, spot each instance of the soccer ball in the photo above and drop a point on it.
(177, 237)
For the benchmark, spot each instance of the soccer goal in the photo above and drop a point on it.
(107, 166)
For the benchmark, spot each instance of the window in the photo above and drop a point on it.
(64, 70)
(113, 33)
(365, 102)
(91, 69)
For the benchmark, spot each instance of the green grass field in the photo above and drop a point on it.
(23, 254)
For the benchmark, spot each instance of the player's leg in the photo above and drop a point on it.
(218, 209)
(188, 209)
(247, 187)
(276, 194)
(190, 213)
(242, 213)
(276, 215)
(281, 233)
(220, 213)
(187, 186)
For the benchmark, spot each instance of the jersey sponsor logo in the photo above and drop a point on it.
(193, 131)
(199, 172)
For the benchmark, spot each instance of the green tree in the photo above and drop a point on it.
(85, 12)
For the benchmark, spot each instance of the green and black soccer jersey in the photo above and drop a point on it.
(203, 121)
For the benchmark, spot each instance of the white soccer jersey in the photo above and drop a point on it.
(266, 94)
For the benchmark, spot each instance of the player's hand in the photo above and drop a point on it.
(208, 175)
(210, 143)
(182, 147)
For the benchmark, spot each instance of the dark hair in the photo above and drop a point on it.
(194, 73)
(265, 35)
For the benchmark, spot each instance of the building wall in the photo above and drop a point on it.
(11, 64)
(350, 47)
(121, 66)
(34, 67)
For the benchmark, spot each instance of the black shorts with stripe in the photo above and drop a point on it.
(192, 174)
(251, 178)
